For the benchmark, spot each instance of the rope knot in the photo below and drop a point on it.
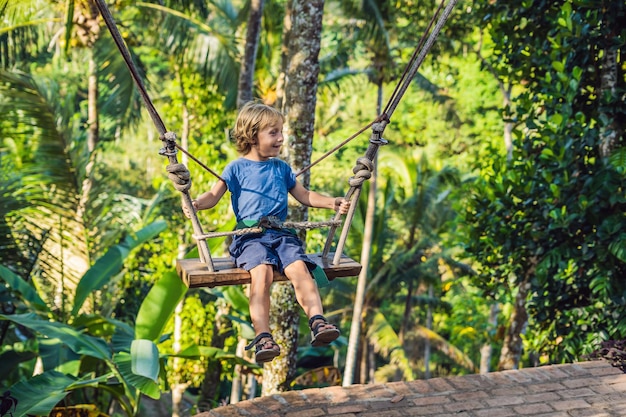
(180, 176)
(362, 171)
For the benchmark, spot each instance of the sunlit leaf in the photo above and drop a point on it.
(158, 306)
(147, 386)
(145, 359)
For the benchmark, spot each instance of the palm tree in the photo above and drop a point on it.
(253, 32)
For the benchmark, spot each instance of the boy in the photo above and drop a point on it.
(259, 184)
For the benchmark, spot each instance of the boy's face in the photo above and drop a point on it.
(269, 141)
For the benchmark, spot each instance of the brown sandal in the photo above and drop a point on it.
(266, 348)
(324, 332)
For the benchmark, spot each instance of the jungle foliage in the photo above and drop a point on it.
(499, 228)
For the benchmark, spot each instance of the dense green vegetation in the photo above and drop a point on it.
(500, 227)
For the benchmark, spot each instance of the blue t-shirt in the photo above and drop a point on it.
(259, 188)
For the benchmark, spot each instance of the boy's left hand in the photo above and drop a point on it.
(342, 205)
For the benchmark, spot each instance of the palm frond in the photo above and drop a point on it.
(387, 343)
(47, 181)
(208, 45)
(12, 253)
(401, 267)
(441, 344)
(26, 31)
(122, 103)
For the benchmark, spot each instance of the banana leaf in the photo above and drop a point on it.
(111, 262)
(38, 395)
(28, 292)
(158, 306)
(147, 386)
(79, 343)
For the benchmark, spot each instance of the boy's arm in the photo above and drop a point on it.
(317, 200)
(208, 199)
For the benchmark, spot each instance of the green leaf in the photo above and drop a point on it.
(145, 359)
(237, 299)
(246, 330)
(111, 263)
(386, 342)
(158, 306)
(558, 65)
(618, 248)
(78, 342)
(55, 353)
(147, 386)
(618, 159)
(28, 292)
(557, 119)
(122, 337)
(11, 360)
(577, 72)
(38, 395)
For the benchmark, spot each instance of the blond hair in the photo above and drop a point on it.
(252, 118)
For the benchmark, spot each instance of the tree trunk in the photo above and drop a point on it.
(246, 73)
(513, 343)
(429, 326)
(236, 388)
(179, 387)
(87, 21)
(512, 347)
(508, 126)
(408, 308)
(371, 363)
(300, 84)
(301, 45)
(362, 375)
(92, 134)
(487, 350)
(209, 390)
(284, 317)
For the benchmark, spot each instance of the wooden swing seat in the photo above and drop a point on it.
(195, 273)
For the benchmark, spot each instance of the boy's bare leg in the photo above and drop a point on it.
(309, 298)
(304, 285)
(261, 278)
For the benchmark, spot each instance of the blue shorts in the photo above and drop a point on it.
(273, 247)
